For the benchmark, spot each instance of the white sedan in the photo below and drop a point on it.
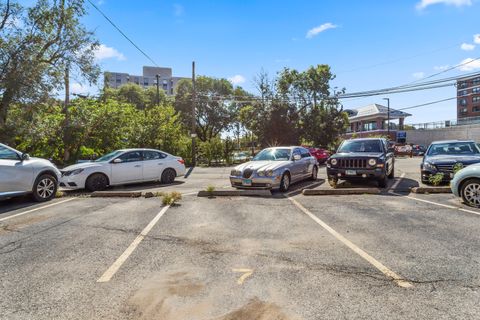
(123, 167)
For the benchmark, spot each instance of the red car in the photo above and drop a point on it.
(321, 154)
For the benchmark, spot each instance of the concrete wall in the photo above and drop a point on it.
(425, 137)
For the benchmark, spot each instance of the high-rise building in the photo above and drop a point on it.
(167, 82)
(468, 97)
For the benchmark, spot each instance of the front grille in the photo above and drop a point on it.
(445, 167)
(353, 163)
(247, 173)
(254, 185)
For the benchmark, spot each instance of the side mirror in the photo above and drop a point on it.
(25, 156)
(118, 160)
(297, 157)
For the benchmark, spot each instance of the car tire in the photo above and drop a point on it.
(314, 173)
(392, 173)
(45, 188)
(96, 182)
(285, 182)
(383, 182)
(470, 192)
(168, 176)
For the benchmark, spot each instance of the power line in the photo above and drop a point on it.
(122, 33)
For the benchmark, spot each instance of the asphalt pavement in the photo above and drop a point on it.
(389, 256)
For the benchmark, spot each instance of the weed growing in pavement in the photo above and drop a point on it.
(159, 194)
(59, 194)
(210, 189)
(169, 199)
(436, 179)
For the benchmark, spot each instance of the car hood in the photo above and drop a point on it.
(357, 155)
(84, 165)
(452, 159)
(261, 165)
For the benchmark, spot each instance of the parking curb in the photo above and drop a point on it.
(431, 190)
(235, 193)
(116, 194)
(346, 191)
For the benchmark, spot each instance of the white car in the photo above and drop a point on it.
(123, 167)
(21, 174)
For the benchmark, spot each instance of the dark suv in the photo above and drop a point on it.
(362, 159)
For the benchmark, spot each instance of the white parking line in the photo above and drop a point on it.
(439, 204)
(36, 209)
(395, 185)
(401, 282)
(107, 275)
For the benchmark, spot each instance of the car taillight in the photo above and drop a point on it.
(181, 161)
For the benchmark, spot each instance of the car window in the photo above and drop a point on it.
(153, 155)
(453, 148)
(132, 156)
(109, 156)
(360, 146)
(273, 155)
(7, 154)
(305, 153)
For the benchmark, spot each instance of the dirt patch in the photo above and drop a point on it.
(256, 310)
(21, 223)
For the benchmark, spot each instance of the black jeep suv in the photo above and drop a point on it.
(362, 159)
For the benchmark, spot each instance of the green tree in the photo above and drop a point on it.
(37, 45)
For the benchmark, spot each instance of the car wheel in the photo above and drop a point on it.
(382, 182)
(392, 174)
(285, 182)
(470, 192)
(96, 182)
(45, 188)
(168, 176)
(314, 173)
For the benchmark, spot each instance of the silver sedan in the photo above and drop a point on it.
(275, 168)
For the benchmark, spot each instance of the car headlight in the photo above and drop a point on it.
(334, 162)
(429, 166)
(235, 173)
(261, 173)
(269, 173)
(77, 171)
(372, 162)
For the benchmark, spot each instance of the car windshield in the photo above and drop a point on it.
(109, 156)
(453, 148)
(273, 155)
(349, 146)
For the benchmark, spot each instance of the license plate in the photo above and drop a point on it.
(247, 182)
(350, 172)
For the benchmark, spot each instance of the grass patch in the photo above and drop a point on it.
(169, 199)
(210, 189)
(59, 194)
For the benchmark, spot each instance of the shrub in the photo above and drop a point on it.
(436, 179)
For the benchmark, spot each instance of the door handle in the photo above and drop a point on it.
(137, 166)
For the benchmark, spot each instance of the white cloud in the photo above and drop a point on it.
(441, 68)
(178, 10)
(467, 46)
(315, 31)
(470, 64)
(418, 75)
(476, 38)
(237, 79)
(79, 88)
(457, 3)
(104, 52)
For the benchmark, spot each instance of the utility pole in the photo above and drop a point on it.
(194, 102)
(158, 89)
(388, 116)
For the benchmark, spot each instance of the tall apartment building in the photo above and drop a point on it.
(167, 81)
(468, 97)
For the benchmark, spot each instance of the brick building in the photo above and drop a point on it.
(468, 97)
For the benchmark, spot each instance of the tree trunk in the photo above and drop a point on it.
(66, 131)
(7, 99)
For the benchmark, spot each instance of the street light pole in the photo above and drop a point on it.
(193, 129)
(388, 116)
(158, 89)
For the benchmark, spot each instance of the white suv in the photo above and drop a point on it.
(21, 174)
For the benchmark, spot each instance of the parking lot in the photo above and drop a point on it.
(395, 255)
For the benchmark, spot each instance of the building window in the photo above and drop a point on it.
(476, 99)
(476, 109)
(476, 81)
(462, 102)
(462, 111)
(476, 90)
(462, 92)
(145, 83)
(462, 84)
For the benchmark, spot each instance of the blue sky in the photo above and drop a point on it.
(368, 44)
